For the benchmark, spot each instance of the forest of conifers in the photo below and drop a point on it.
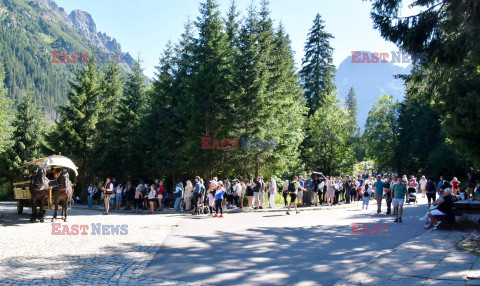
(230, 78)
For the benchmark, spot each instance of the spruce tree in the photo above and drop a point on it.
(5, 111)
(317, 71)
(28, 134)
(208, 93)
(351, 104)
(106, 159)
(127, 119)
(160, 127)
(75, 134)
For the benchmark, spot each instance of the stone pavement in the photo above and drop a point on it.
(31, 255)
(431, 259)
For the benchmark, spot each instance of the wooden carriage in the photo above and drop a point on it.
(22, 189)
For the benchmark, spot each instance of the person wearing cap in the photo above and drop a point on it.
(178, 193)
(399, 195)
(378, 187)
(444, 207)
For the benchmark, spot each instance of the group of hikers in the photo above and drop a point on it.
(215, 196)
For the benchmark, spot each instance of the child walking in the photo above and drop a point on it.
(367, 193)
(219, 193)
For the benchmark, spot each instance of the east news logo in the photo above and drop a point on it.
(84, 229)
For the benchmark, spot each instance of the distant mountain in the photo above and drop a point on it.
(370, 81)
(41, 46)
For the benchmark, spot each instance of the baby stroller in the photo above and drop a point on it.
(412, 195)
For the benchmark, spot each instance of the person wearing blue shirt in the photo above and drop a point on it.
(300, 192)
(219, 193)
(178, 197)
(378, 187)
(309, 187)
(196, 195)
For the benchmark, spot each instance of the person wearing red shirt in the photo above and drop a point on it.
(160, 196)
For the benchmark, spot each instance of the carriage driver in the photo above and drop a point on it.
(107, 191)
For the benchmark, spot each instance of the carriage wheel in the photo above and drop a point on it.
(19, 207)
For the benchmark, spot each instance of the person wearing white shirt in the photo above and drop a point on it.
(107, 192)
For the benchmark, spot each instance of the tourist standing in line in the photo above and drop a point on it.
(330, 191)
(293, 188)
(196, 195)
(160, 192)
(219, 194)
(272, 191)
(256, 192)
(250, 193)
(178, 197)
(285, 192)
(243, 191)
(152, 193)
(188, 195)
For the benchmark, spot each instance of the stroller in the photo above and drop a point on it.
(412, 195)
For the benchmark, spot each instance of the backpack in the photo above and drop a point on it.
(291, 187)
(430, 186)
(366, 194)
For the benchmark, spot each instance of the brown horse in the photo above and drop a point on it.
(62, 192)
(39, 189)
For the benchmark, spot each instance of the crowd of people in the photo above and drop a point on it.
(215, 196)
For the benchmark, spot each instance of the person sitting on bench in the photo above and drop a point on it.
(444, 208)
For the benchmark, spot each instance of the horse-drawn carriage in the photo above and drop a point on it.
(48, 184)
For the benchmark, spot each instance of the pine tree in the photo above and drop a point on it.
(74, 135)
(317, 71)
(127, 119)
(5, 111)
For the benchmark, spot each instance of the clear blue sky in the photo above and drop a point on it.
(143, 27)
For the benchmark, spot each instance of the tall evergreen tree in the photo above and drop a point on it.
(5, 111)
(127, 119)
(74, 135)
(106, 159)
(208, 93)
(351, 104)
(317, 71)
(28, 134)
(161, 125)
(444, 36)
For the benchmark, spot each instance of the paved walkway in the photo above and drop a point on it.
(430, 259)
(31, 255)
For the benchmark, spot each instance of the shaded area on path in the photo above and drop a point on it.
(312, 248)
